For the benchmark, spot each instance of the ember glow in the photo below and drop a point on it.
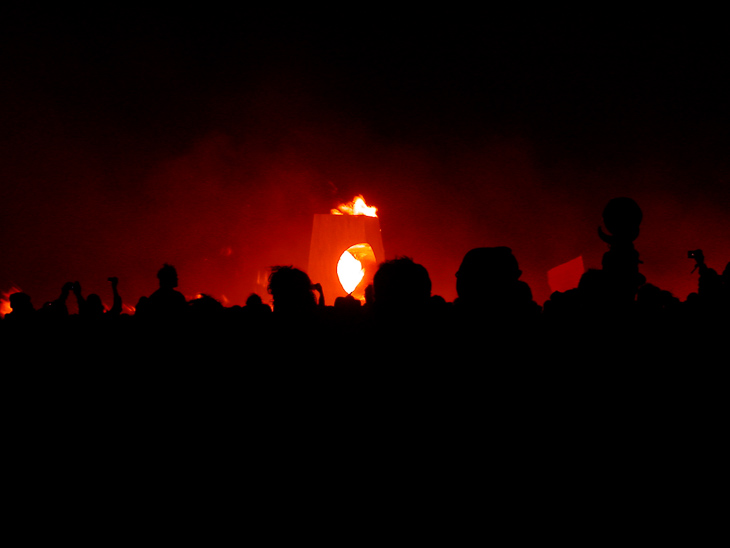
(5, 301)
(356, 207)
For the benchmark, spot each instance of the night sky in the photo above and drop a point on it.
(209, 140)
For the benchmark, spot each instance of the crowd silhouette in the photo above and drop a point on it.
(608, 386)
(494, 316)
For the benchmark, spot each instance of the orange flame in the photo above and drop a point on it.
(5, 301)
(352, 268)
(350, 271)
(356, 207)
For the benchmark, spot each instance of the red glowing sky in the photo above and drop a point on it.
(210, 144)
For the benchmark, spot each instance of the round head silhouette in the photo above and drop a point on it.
(484, 268)
(291, 289)
(94, 305)
(254, 300)
(20, 302)
(622, 217)
(167, 276)
(401, 284)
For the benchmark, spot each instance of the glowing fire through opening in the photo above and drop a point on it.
(354, 260)
(339, 257)
(350, 272)
(351, 268)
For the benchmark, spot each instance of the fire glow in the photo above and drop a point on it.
(346, 248)
(356, 207)
(351, 264)
(5, 301)
(351, 268)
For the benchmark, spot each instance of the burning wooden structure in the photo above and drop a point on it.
(345, 250)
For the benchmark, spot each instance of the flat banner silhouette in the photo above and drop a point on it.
(567, 275)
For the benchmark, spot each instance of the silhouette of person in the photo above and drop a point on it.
(92, 307)
(166, 302)
(57, 310)
(22, 308)
(254, 302)
(622, 217)
(488, 286)
(347, 303)
(401, 286)
(291, 290)
(711, 298)
(255, 308)
(709, 285)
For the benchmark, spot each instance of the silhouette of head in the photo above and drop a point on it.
(254, 300)
(622, 217)
(205, 306)
(649, 295)
(594, 290)
(347, 303)
(94, 306)
(167, 276)
(401, 284)
(20, 303)
(291, 289)
(484, 270)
